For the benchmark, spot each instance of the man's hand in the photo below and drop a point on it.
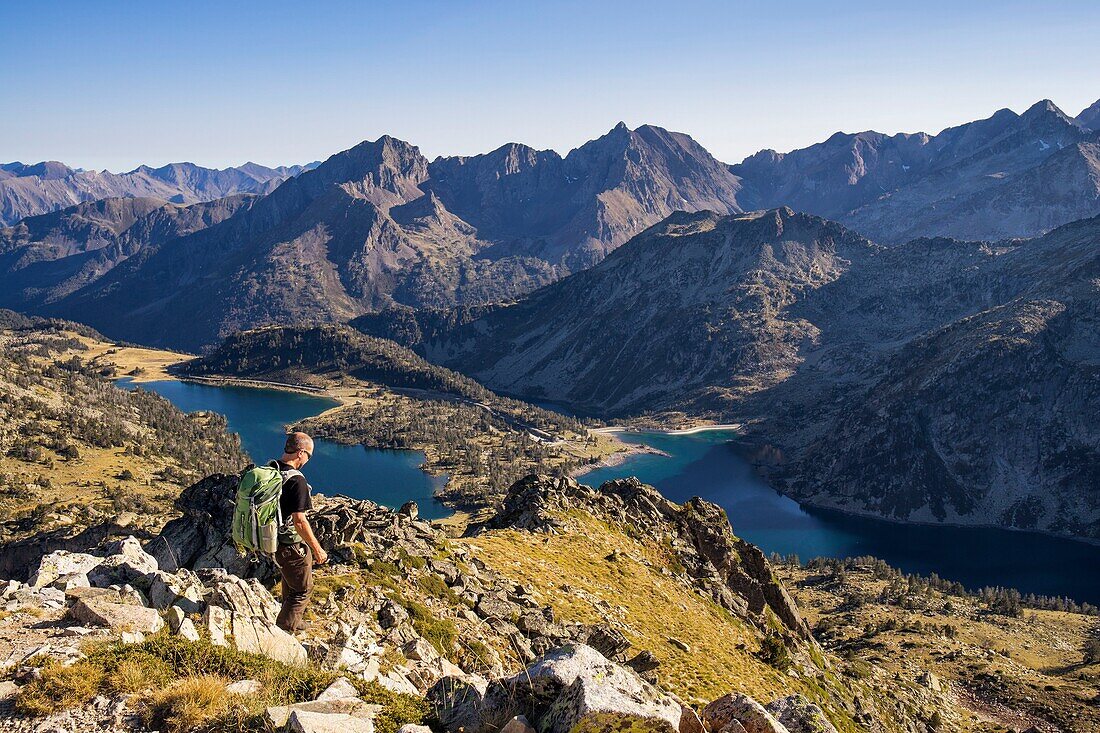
(320, 557)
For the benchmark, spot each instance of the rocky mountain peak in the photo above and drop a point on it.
(1044, 108)
(1089, 119)
(47, 170)
(386, 164)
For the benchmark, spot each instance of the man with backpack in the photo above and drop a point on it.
(299, 549)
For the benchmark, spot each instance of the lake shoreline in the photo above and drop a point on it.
(618, 458)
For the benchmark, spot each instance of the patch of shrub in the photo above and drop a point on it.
(59, 688)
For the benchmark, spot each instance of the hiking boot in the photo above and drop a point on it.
(303, 626)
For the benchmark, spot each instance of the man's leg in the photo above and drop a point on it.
(296, 567)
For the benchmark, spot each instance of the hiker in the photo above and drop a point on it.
(299, 549)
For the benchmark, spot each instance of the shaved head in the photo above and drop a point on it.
(296, 442)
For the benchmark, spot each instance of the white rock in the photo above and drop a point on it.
(259, 636)
(216, 621)
(306, 722)
(182, 588)
(116, 616)
(244, 687)
(132, 637)
(187, 630)
(278, 716)
(59, 564)
(340, 688)
(175, 618)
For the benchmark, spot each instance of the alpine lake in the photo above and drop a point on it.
(705, 464)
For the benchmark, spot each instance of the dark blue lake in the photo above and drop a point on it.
(708, 465)
(259, 416)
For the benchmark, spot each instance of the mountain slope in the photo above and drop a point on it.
(30, 190)
(692, 310)
(323, 247)
(45, 258)
(961, 377)
(1011, 175)
(1089, 119)
(577, 209)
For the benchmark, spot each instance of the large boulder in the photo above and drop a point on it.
(800, 715)
(126, 564)
(567, 686)
(242, 612)
(341, 710)
(117, 616)
(245, 596)
(61, 566)
(734, 711)
(182, 588)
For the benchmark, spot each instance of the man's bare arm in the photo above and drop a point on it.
(320, 557)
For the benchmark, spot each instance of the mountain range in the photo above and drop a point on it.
(1011, 175)
(379, 226)
(29, 190)
(938, 380)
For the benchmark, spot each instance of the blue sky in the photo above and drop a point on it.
(115, 84)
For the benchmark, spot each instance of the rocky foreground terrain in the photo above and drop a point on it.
(413, 627)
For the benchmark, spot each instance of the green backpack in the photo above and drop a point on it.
(257, 515)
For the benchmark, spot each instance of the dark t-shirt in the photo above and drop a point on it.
(295, 496)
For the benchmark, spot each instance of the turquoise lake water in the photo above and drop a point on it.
(704, 464)
(259, 416)
(708, 465)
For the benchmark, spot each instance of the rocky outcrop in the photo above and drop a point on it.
(201, 538)
(576, 688)
(555, 693)
(799, 715)
(734, 573)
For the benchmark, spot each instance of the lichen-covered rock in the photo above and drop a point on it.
(181, 588)
(118, 617)
(126, 563)
(736, 708)
(61, 565)
(800, 715)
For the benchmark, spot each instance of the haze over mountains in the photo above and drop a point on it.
(1006, 176)
(29, 190)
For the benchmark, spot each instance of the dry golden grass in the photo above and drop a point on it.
(59, 688)
(188, 704)
(144, 365)
(570, 572)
